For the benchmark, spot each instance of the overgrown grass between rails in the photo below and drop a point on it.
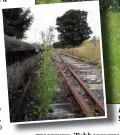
(90, 52)
(46, 83)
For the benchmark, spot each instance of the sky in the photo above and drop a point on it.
(45, 16)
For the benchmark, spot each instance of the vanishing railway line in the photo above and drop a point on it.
(84, 92)
(78, 75)
(82, 98)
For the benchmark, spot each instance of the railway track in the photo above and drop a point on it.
(82, 93)
(80, 77)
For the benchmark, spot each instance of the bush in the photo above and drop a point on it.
(61, 44)
(17, 71)
(13, 44)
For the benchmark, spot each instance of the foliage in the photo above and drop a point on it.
(13, 44)
(16, 22)
(86, 42)
(60, 44)
(47, 1)
(57, 45)
(17, 71)
(73, 27)
(110, 22)
(74, 0)
(56, 1)
(105, 5)
(46, 83)
(108, 5)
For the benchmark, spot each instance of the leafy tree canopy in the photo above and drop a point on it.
(73, 27)
(16, 22)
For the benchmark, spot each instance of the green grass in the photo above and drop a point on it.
(47, 1)
(46, 84)
(111, 46)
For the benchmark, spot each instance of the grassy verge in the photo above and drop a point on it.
(90, 52)
(111, 40)
(46, 83)
(47, 1)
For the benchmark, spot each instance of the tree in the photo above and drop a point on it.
(16, 22)
(73, 27)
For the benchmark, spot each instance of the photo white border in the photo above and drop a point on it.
(103, 78)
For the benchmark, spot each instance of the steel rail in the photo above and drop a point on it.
(82, 104)
(70, 56)
(80, 59)
(66, 62)
(88, 90)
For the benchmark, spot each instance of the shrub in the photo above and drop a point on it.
(17, 71)
(13, 44)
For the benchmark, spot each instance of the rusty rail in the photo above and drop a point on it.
(88, 90)
(66, 62)
(83, 105)
(80, 59)
(70, 56)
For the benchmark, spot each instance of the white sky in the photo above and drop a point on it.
(45, 16)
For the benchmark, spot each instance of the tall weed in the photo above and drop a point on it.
(46, 83)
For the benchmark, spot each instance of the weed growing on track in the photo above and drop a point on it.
(110, 22)
(46, 82)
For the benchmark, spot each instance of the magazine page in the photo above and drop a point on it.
(59, 67)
